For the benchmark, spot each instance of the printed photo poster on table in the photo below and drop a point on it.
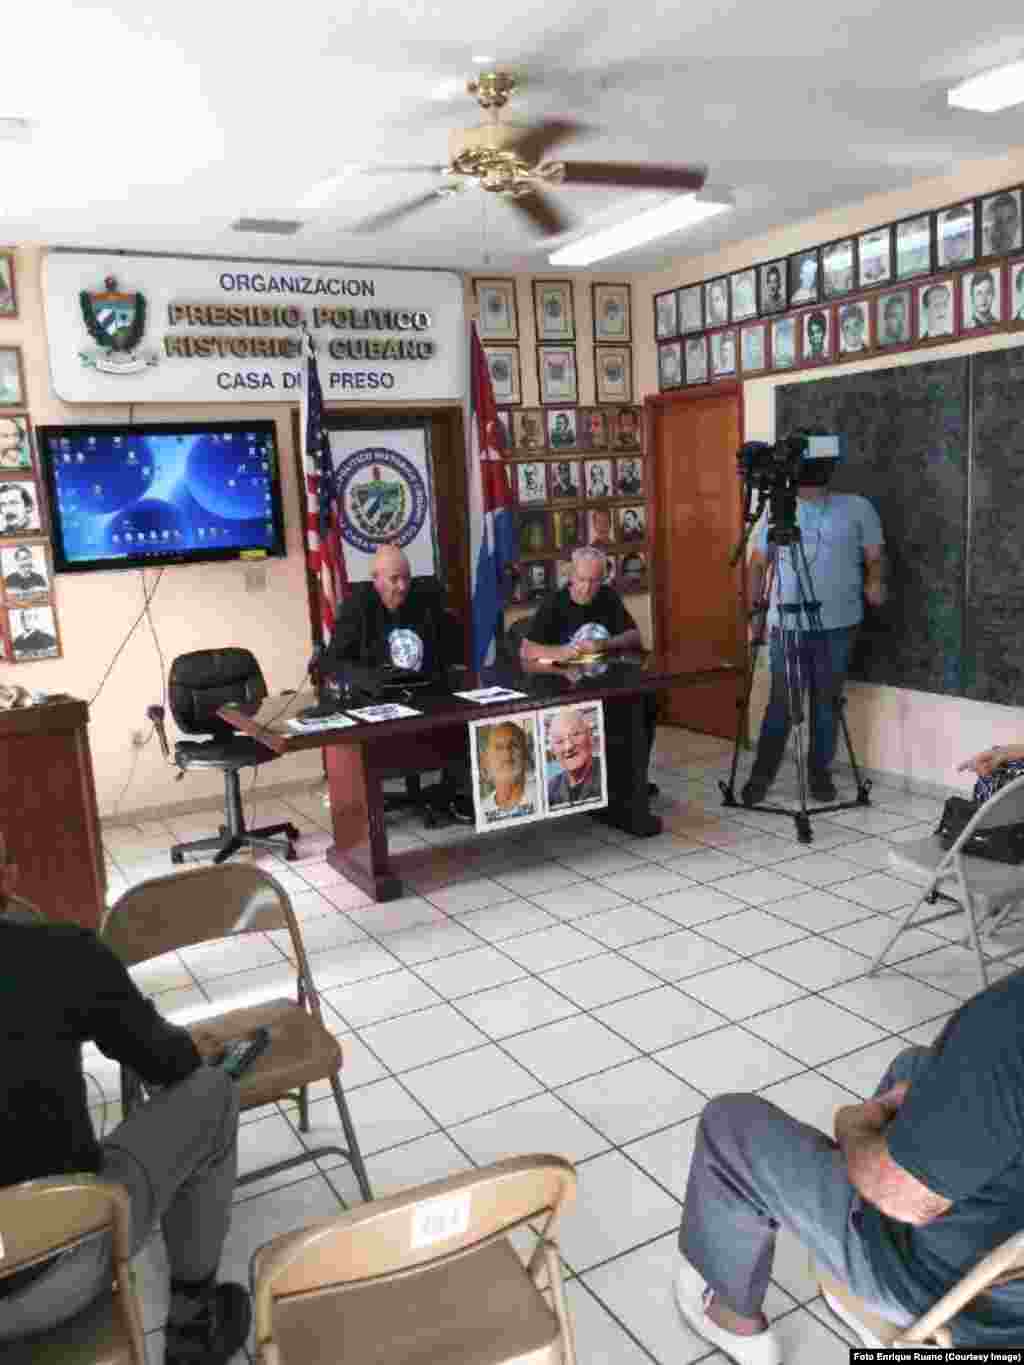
(384, 483)
(507, 771)
(575, 771)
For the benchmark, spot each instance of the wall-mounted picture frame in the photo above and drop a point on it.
(784, 339)
(853, 328)
(15, 443)
(874, 257)
(497, 314)
(753, 347)
(893, 320)
(691, 308)
(536, 580)
(774, 291)
(531, 482)
(805, 277)
(597, 479)
(556, 374)
(528, 429)
(723, 354)
(592, 429)
(936, 310)
(696, 353)
(1001, 227)
(839, 268)
(25, 570)
(563, 572)
(564, 480)
(12, 378)
(600, 530)
(632, 524)
(624, 429)
(716, 301)
(816, 340)
(670, 365)
(981, 298)
(613, 374)
(611, 570)
(913, 246)
(569, 529)
(743, 294)
(8, 286)
(553, 311)
(533, 531)
(21, 512)
(613, 318)
(954, 236)
(562, 432)
(1015, 311)
(666, 314)
(34, 633)
(633, 572)
(503, 367)
(629, 478)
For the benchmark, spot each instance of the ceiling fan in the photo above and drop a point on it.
(507, 160)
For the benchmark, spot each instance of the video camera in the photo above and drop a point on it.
(775, 472)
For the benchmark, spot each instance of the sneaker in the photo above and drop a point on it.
(822, 787)
(218, 1330)
(755, 791)
(693, 1297)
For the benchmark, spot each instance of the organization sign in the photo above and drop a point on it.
(158, 329)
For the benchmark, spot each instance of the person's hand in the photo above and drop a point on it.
(984, 763)
(208, 1045)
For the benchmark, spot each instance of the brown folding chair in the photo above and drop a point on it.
(42, 1217)
(426, 1276)
(214, 902)
(1000, 1266)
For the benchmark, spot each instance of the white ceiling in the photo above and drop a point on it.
(157, 130)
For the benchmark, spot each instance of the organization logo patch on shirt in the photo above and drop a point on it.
(593, 630)
(405, 649)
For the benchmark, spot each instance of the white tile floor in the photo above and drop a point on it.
(572, 989)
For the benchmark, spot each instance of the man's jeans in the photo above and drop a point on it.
(821, 662)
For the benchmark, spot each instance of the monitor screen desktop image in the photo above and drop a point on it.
(130, 496)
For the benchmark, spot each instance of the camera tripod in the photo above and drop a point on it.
(796, 618)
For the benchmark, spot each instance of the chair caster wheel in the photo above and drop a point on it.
(177, 857)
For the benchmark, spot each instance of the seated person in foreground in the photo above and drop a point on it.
(920, 1183)
(586, 617)
(176, 1155)
(995, 767)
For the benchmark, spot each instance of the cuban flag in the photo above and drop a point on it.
(325, 552)
(492, 533)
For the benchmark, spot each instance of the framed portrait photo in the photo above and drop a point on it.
(533, 530)
(498, 319)
(670, 365)
(503, 367)
(536, 580)
(600, 532)
(666, 315)
(563, 572)
(633, 572)
(696, 351)
(783, 343)
(632, 524)
(816, 341)
(531, 484)
(716, 301)
(854, 328)
(575, 771)
(753, 347)
(8, 290)
(597, 475)
(528, 429)
(507, 771)
(20, 510)
(629, 478)
(553, 311)
(691, 308)
(936, 310)
(838, 268)
(613, 374)
(1000, 223)
(805, 277)
(612, 313)
(892, 318)
(15, 442)
(624, 429)
(1015, 313)
(914, 247)
(569, 529)
(954, 235)
(592, 429)
(723, 354)
(774, 294)
(874, 257)
(25, 570)
(34, 633)
(564, 480)
(12, 378)
(981, 297)
(743, 294)
(562, 433)
(556, 374)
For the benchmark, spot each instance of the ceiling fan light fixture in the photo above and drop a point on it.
(683, 211)
(990, 92)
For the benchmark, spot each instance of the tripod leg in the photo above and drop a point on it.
(863, 784)
(728, 789)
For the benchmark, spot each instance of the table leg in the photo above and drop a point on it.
(360, 850)
(626, 746)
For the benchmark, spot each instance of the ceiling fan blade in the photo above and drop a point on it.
(544, 214)
(637, 176)
(391, 216)
(541, 137)
(415, 168)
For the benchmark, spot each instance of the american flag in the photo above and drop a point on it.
(325, 554)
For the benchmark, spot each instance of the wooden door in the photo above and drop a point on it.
(698, 596)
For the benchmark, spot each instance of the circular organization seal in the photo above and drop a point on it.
(383, 499)
(406, 649)
(593, 630)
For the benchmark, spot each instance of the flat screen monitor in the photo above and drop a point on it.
(135, 496)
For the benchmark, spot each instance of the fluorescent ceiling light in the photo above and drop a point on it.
(681, 212)
(991, 91)
(482, 61)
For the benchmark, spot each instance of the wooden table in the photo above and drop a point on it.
(360, 757)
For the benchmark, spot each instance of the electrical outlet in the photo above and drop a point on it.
(138, 739)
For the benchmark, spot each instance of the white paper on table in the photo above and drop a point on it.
(488, 696)
(389, 710)
(338, 722)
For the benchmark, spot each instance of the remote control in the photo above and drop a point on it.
(240, 1054)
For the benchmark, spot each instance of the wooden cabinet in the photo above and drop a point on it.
(48, 810)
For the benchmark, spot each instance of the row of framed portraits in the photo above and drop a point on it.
(554, 313)
(540, 481)
(948, 306)
(606, 528)
(972, 231)
(557, 379)
(28, 619)
(535, 578)
(560, 429)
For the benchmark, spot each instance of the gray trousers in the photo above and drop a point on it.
(756, 1169)
(176, 1156)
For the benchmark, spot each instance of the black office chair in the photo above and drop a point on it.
(199, 683)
